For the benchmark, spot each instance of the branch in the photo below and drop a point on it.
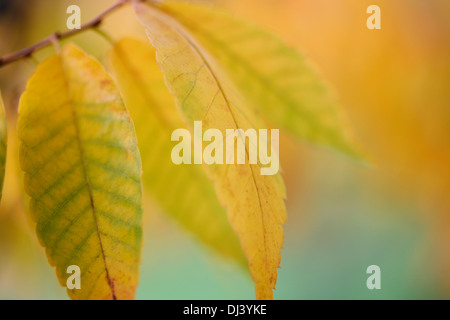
(28, 51)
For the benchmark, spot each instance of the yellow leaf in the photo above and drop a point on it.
(254, 202)
(276, 79)
(83, 173)
(3, 142)
(184, 192)
(14, 198)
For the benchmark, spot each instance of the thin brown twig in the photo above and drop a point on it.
(28, 51)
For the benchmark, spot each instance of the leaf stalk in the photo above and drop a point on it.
(56, 36)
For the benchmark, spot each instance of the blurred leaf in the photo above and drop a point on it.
(14, 197)
(82, 172)
(255, 202)
(184, 192)
(3, 142)
(276, 79)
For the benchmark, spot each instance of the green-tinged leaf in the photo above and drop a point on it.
(184, 192)
(254, 202)
(83, 174)
(276, 79)
(3, 142)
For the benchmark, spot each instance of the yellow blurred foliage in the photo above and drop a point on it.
(394, 83)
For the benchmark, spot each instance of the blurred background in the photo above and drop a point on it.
(343, 217)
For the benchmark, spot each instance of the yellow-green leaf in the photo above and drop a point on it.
(184, 192)
(276, 79)
(83, 174)
(254, 202)
(3, 142)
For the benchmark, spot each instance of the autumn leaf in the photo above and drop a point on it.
(3, 141)
(184, 192)
(83, 174)
(254, 202)
(276, 79)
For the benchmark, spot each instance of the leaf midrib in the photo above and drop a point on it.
(207, 65)
(86, 175)
(281, 96)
